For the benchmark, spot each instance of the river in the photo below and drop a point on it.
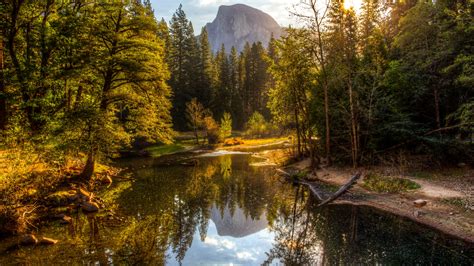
(229, 210)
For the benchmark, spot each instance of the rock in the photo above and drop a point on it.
(28, 240)
(418, 213)
(238, 24)
(190, 163)
(89, 207)
(461, 165)
(66, 220)
(420, 203)
(83, 194)
(72, 198)
(47, 241)
(60, 198)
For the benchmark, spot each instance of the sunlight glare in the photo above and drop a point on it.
(355, 4)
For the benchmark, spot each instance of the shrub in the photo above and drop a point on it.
(257, 125)
(212, 130)
(226, 126)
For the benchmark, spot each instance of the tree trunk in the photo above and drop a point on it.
(354, 134)
(298, 136)
(320, 57)
(328, 131)
(196, 135)
(3, 100)
(88, 170)
(436, 99)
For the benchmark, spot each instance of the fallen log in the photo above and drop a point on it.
(341, 190)
(313, 189)
(318, 193)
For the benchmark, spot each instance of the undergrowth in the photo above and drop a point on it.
(378, 183)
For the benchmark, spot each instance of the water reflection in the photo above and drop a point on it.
(222, 210)
(224, 189)
(344, 234)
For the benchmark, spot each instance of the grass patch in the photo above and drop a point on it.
(258, 142)
(388, 184)
(458, 202)
(160, 150)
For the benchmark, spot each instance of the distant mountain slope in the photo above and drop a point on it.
(237, 24)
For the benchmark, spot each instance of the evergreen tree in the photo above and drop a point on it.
(184, 57)
(236, 109)
(205, 69)
(224, 86)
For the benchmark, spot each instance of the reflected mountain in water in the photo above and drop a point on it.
(237, 224)
(223, 210)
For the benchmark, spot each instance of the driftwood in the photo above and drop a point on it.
(313, 189)
(341, 190)
(318, 193)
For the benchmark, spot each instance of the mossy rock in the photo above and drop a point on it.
(61, 198)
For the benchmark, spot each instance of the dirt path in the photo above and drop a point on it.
(439, 213)
(431, 190)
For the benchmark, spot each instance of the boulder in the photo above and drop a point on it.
(419, 203)
(61, 198)
(89, 207)
(28, 240)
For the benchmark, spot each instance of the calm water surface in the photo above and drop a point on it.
(225, 211)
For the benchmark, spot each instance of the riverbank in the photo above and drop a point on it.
(34, 191)
(448, 194)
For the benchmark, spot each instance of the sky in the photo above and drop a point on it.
(201, 12)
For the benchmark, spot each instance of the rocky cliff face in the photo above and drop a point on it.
(237, 24)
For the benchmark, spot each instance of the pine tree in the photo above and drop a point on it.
(236, 108)
(184, 57)
(224, 85)
(205, 69)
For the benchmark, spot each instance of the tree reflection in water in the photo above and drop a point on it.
(181, 202)
(177, 201)
(344, 234)
(167, 207)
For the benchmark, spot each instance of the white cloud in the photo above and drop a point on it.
(224, 243)
(210, 2)
(244, 255)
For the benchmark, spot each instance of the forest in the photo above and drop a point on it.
(82, 82)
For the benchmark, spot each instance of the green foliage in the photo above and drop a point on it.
(257, 126)
(389, 80)
(195, 115)
(95, 78)
(388, 184)
(226, 126)
(458, 202)
(212, 131)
